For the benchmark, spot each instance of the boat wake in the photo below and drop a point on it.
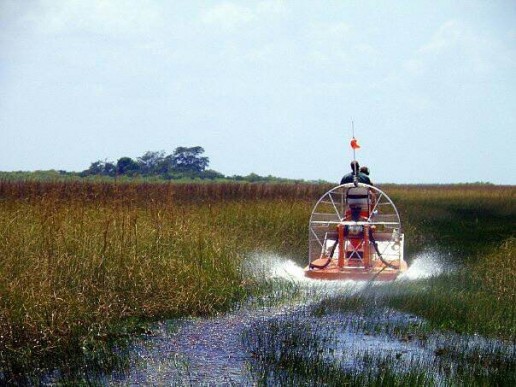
(272, 266)
(211, 350)
(264, 266)
(425, 265)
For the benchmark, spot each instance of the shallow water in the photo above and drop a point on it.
(210, 351)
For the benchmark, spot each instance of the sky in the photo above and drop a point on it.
(266, 87)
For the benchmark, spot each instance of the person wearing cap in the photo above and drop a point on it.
(356, 171)
(365, 171)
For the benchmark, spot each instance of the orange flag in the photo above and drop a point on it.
(354, 143)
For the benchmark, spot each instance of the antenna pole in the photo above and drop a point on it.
(355, 172)
(353, 131)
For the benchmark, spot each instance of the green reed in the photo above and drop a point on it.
(472, 227)
(80, 260)
(476, 298)
(291, 351)
(74, 265)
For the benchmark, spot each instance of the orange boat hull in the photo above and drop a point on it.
(332, 272)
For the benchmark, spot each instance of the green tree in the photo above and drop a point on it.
(100, 167)
(96, 168)
(109, 169)
(152, 163)
(210, 174)
(127, 166)
(189, 160)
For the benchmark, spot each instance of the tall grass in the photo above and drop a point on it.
(477, 298)
(466, 220)
(78, 258)
(81, 191)
(474, 226)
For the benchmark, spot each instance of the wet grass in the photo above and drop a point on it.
(382, 348)
(448, 314)
(294, 351)
(474, 230)
(478, 298)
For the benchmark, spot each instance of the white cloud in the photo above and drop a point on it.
(265, 54)
(271, 8)
(336, 32)
(339, 44)
(456, 48)
(230, 16)
(227, 15)
(414, 66)
(450, 34)
(113, 17)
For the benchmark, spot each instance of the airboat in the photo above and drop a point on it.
(355, 234)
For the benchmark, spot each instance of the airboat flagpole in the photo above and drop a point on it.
(353, 133)
(354, 146)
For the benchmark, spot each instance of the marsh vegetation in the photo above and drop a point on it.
(87, 266)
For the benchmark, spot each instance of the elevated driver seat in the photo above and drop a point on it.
(357, 203)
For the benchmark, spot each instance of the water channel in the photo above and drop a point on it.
(220, 350)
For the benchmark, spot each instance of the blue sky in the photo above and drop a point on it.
(268, 87)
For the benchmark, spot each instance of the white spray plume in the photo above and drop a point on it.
(426, 264)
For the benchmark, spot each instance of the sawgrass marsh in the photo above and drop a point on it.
(84, 264)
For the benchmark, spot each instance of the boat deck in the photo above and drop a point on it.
(332, 272)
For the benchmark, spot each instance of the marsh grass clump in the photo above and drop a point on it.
(69, 273)
(384, 348)
(296, 350)
(465, 220)
(478, 297)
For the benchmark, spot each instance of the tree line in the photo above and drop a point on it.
(183, 163)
